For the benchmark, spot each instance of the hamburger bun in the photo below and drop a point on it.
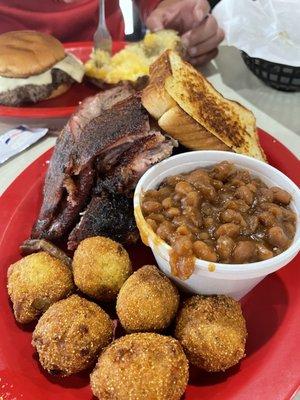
(35, 67)
(27, 53)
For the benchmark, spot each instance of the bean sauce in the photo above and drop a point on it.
(220, 214)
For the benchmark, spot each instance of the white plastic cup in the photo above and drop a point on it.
(234, 280)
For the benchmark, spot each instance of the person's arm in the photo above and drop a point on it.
(192, 19)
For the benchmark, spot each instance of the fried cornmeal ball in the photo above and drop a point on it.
(100, 267)
(141, 366)
(212, 331)
(148, 301)
(35, 282)
(70, 335)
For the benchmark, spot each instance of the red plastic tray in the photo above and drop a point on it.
(64, 105)
(271, 370)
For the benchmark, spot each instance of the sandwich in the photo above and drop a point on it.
(131, 64)
(34, 66)
(192, 111)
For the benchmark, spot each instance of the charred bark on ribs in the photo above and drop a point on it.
(99, 156)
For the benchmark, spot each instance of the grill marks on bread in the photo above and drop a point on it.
(185, 99)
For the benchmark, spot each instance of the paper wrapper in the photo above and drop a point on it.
(18, 139)
(267, 29)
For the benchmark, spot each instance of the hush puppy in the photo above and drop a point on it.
(148, 301)
(100, 267)
(141, 366)
(70, 335)
(212, 331)
(35, 282)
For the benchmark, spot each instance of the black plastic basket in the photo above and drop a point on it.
(278, 76)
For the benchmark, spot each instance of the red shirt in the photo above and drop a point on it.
(71, 22)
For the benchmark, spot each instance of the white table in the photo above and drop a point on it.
(276, 112)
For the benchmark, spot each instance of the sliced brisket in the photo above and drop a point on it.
(108, 214)
(101, 153)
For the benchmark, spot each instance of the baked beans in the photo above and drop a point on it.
(219, 214)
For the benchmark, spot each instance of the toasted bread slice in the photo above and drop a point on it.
(188, 108)
(229, 121)
(175, 122)
(171, 118)
(155, 98)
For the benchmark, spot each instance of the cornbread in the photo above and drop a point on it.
(35, 282)
(212, 332)
(141, 366)
(100, 267)
(70, 335)
(147, 301)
